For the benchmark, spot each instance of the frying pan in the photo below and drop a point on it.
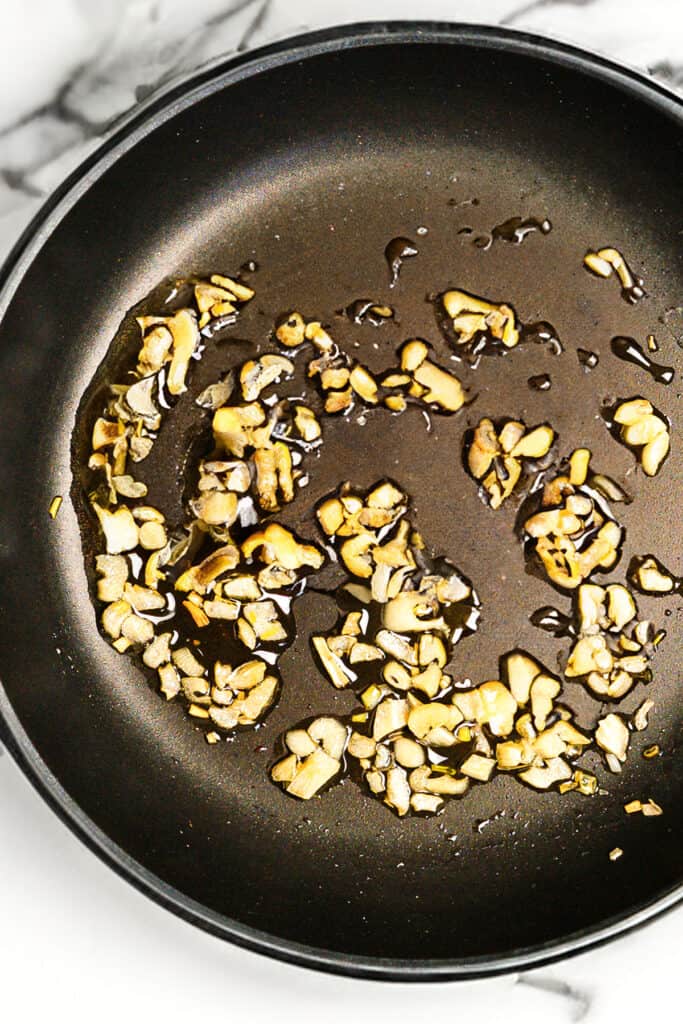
(308, 157)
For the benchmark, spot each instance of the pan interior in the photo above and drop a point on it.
(310, 168)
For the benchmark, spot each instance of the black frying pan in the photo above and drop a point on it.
(309, 156)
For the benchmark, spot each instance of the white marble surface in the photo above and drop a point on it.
(73, 937)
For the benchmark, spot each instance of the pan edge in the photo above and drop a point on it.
(125, 134)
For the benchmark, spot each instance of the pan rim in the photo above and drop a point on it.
(126, 133)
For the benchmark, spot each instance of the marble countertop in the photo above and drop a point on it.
(90, 61)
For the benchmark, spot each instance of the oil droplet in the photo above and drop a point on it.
(136, 563)
(552, 621)
(516, 229)
(589, 360)
(630, 351)
(422, 230)
(398, 250)
(540, 382)
(633, 293)
(541, 332)
(368, 311)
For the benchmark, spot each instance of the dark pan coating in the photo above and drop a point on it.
(311, 167)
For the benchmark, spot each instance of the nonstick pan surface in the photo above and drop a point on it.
(308, 157)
